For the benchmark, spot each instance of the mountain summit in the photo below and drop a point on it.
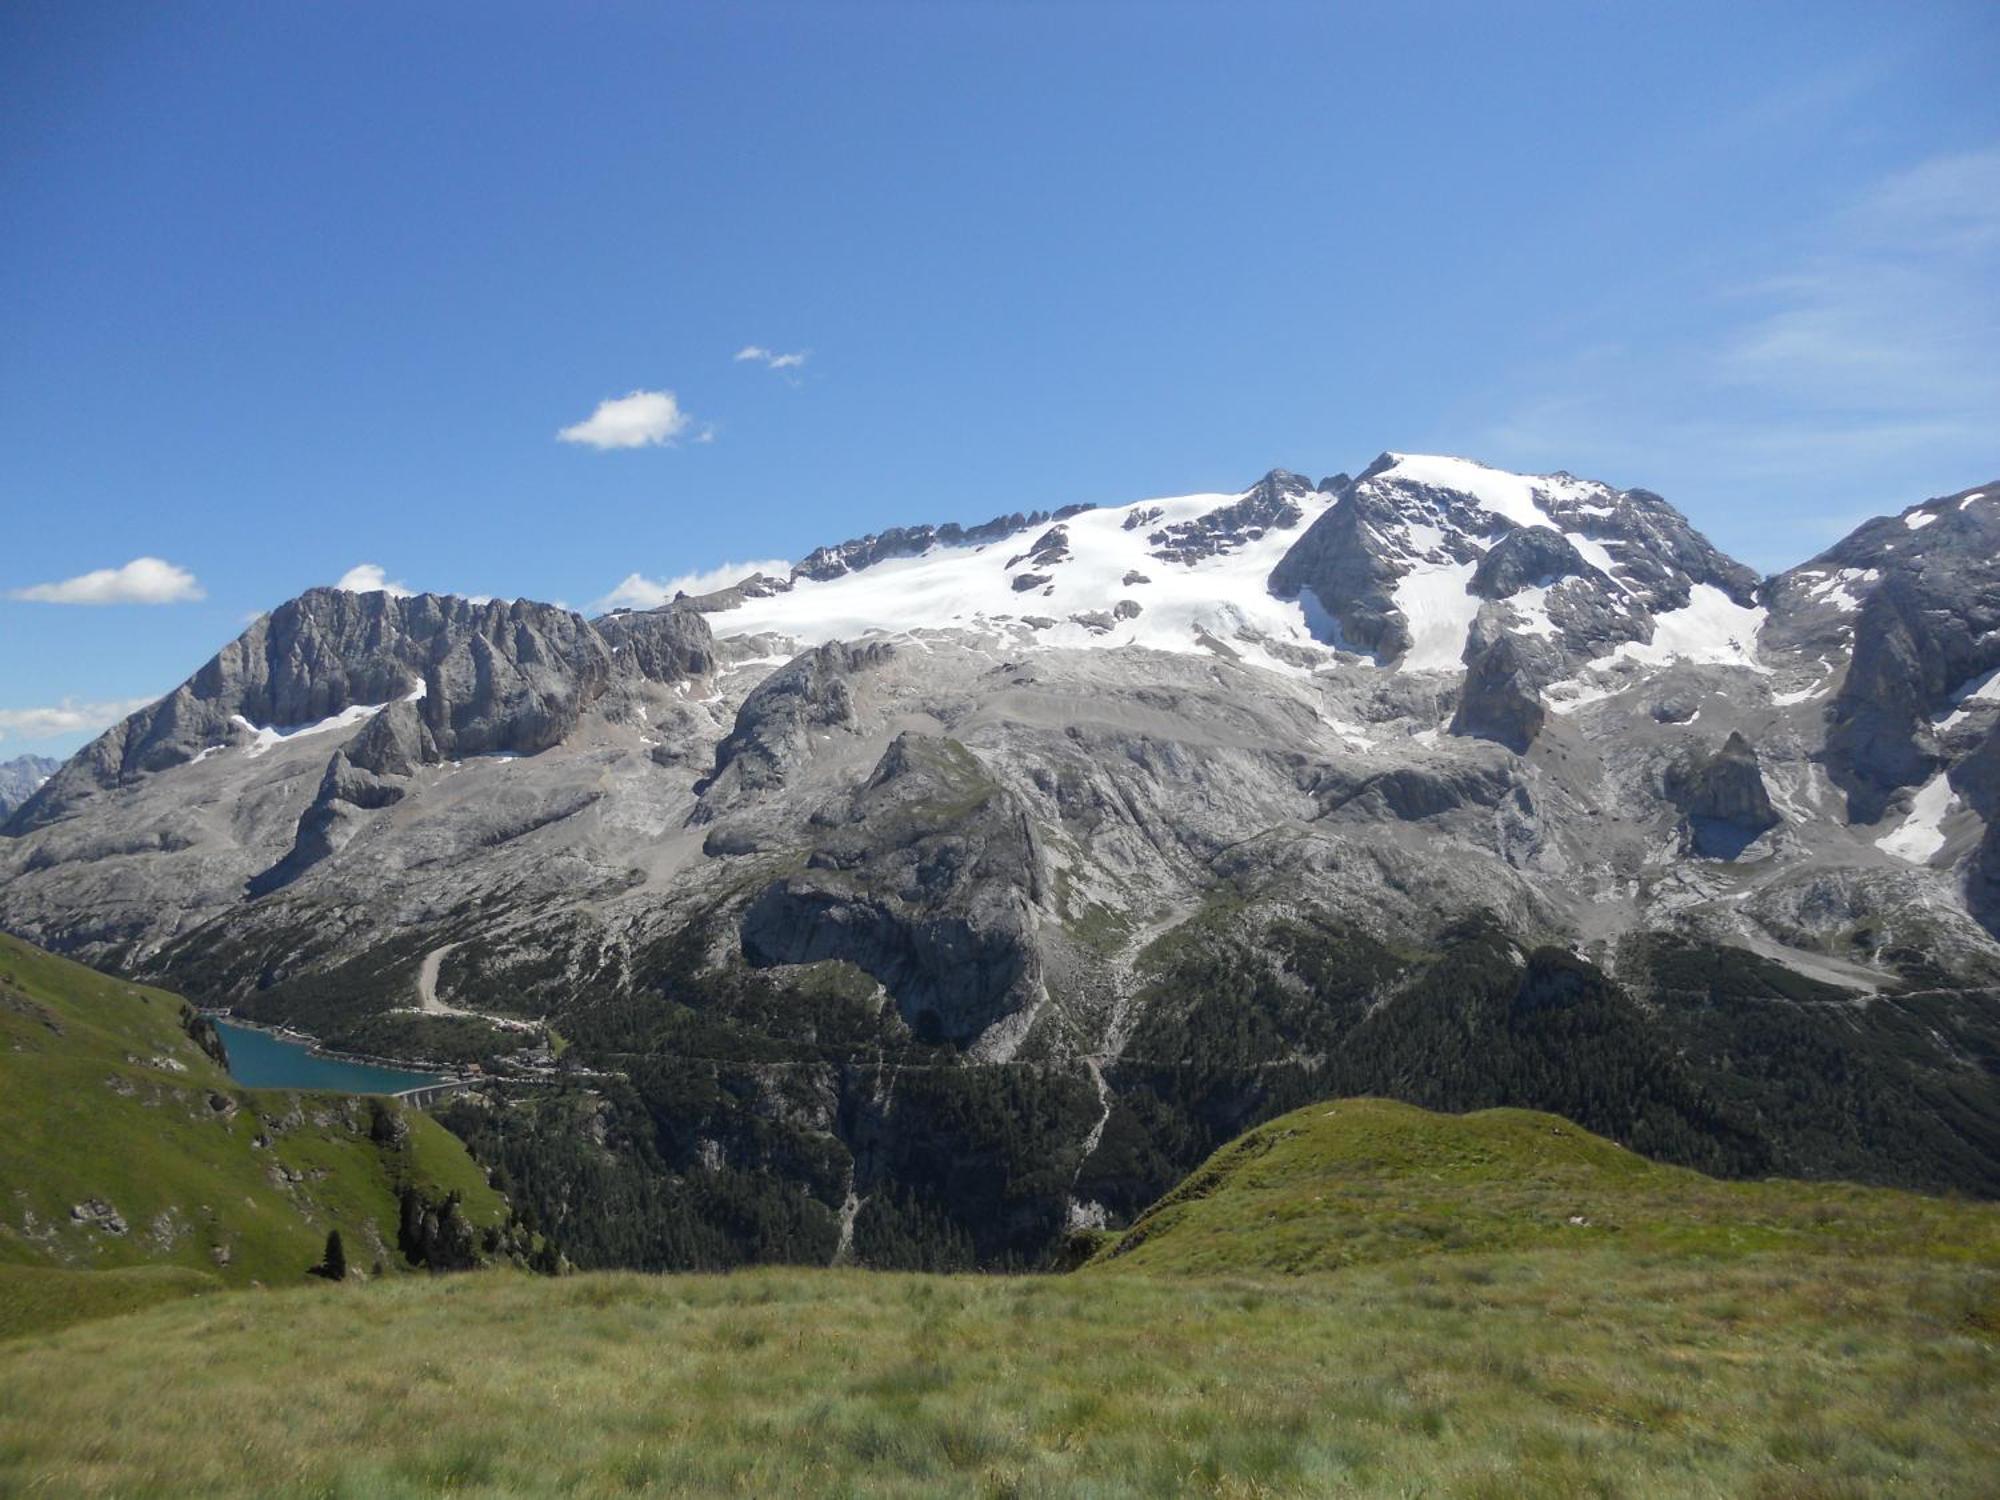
(969, 881)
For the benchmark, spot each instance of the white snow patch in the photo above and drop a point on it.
(1509, 495)
(1837, 589)
(1568, 696)
(1439, 611)
(1970, 498)
(265, 738)
(1920, 835)
(1787, 700)
(1917, 520)
(1712, 628)
(1531, 611)
(1985, 688)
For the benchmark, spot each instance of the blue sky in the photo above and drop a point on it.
(285, 290)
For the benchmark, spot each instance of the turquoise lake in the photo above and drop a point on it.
(260, 1060)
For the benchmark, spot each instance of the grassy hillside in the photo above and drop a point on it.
(184, 1181)
(1359, 1180)
(1358, 1299)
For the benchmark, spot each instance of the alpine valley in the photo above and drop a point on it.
(970, 885)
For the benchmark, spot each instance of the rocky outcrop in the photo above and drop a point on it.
(773, 727)
(394, 742)
(1722, 798)
(346, 792)
(493, 676)
(1050, 548)
(1351, 578)
(1913, 602)
(1528, 557)
(911, 541)
(1501, 699)
(1408, 794)
(928, 883)
(1273, 501)
(667, 645)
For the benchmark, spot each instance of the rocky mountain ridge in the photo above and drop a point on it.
(1060, 848)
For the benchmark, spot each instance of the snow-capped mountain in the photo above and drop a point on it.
(1412, 553)
(1164, 803)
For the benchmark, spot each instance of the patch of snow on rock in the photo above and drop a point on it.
(1920, 835)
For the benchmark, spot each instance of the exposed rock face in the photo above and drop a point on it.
(394, 742)
(927, 883)
(1914, 602)
(515, 682)
(496, 676)
(1050, 548)
(1528, 557)
(1273, 503)
(346, 791)
(773, 728)
(908, 541)
(1500, 700)
(1723, 797)
(1411, 532)
(1340, 564)
(662, 645)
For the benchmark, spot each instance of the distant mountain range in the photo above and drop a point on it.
(968, 883)
(21, 776)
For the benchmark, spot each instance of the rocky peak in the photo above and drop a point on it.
(477, 676)
(824, 563)
(1722, 797)
(1912, 602)
(665, 645)
(1398, 565)
(1273, 503)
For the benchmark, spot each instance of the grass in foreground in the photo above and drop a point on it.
(1555, 1372)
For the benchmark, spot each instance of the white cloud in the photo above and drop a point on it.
(144, 580)
(640, 592)
(644, 419)
(770, 358)
(369, 578)
(66, 717)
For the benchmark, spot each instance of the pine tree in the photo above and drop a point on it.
(334, 1266)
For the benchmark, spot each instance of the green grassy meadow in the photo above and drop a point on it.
(105, 1097)
(1540, 1373)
